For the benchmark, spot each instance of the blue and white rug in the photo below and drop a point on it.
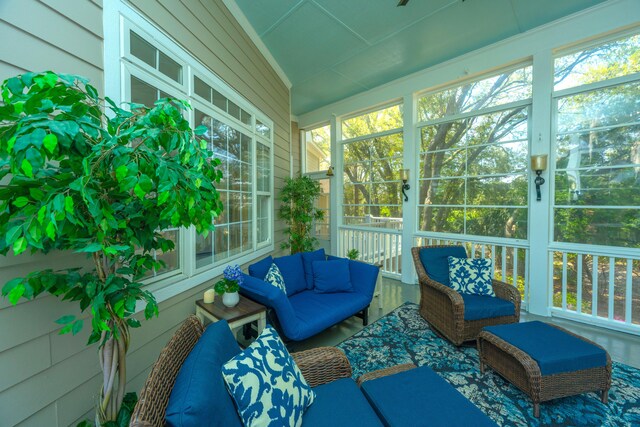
(404, 336)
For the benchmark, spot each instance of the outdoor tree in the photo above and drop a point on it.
(82, 176)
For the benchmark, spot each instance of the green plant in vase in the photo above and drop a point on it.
(229, 285)
(299, 211)
(82, 174)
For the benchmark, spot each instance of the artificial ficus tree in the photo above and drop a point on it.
(298, 210)
(84, 176)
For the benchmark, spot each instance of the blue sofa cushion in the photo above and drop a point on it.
(421, 394)
(471, 276)
(340, 403)
(478, 307)
(293, 272)
(436, 264)
(260, 268)
(199, 396)
(266, 384)
(307, 259)
(331, 276)
(554, 350)
(274, 278)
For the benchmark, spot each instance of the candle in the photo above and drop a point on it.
(209, 296)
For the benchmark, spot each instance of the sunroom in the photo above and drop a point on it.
(509, 128)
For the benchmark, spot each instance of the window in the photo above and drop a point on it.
(597, 145)
(473, 157)
(373, 150)
(318, 149)
(237, 134)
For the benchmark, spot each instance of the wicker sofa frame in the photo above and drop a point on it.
(443, 307)
(522, 371)
(319, 366)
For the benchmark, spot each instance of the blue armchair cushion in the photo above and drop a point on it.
(331, 276)
(293, 272)
(554, 350)
(307, 259)
(266, 384)
(421, 397)
(436, 264)
(340, 403)
(478, 307)
(260, 268)
(274, 278)
(471, 276)
(199, 396)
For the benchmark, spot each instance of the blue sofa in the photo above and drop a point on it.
(183, 389)
(303, 311)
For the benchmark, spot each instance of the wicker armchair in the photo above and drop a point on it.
(319, 366)
(443, 307)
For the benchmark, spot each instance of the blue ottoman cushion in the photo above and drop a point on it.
(421, 397)
(436, 261)
(554, 350)
(199, 396)
(340, 403)
(478, 307)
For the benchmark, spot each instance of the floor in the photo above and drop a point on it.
(622, 347)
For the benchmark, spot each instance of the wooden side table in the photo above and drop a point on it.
(244, 313)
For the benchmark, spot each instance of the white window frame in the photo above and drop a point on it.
(119, 65)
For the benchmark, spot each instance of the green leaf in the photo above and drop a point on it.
(139, 191)
(36, 193)
(27, 168)
(92, 92)
(91, 247)
(41, 213)
(68, 204)
(15, 85)
(58, 202)
(19, 246)
(13, 234)
(77, 326)
(162, 198)
(66, 319)
(121, 173)
(133, 323)
(50, 142)
(16, 293)
(21, 202)
(51, 231)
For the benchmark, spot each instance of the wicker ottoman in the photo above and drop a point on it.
(545, 361)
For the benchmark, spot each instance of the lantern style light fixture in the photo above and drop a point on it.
(405, 183)
(539, 165)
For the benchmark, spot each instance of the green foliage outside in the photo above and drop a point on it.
(84, 176)
(298, 210)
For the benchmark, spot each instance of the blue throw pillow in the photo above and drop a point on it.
(331, 276)
(260, 268)
(266, 384)
(307, 263)
(434, 260)
(293, 272)
(199, 397)
(471, 276)
(274, 278)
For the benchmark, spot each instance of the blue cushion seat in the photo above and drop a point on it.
(420, 397)
(331, 276)
(340, 403)
(554, 350)
(478, 307)
(307, 262)
(436, 263)
(199, 396)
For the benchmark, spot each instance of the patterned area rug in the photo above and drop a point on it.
(404, 336)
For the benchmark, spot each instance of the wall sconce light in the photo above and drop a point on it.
(405, 183)
(330, 171)
(539, 164)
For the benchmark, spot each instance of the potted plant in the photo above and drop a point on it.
(353, 254)
(229, 285)
(298, 210)
(84, 175)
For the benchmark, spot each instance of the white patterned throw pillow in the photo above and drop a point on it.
(266, 384)
(275, 278)
(471, 276)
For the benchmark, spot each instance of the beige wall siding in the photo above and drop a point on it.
(295, 148)
(53, 380)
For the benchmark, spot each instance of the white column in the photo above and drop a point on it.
(335, 198)
(410, 161)
(540, 213)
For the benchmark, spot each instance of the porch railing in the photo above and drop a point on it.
(375, 245)
(510, 260)
(596, 287)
